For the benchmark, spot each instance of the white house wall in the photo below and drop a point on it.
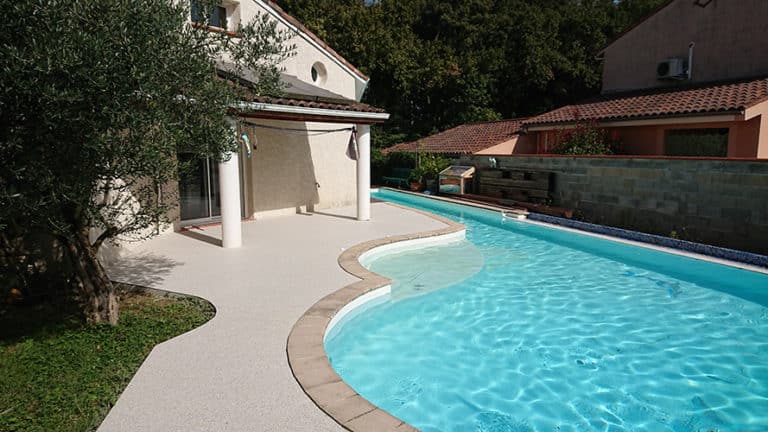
(112, 250)
(338, 80)
(297, 171)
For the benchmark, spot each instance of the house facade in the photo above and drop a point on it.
(691, 79)
(294, 148)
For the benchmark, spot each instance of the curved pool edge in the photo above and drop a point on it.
(547, 221)
(307, 358)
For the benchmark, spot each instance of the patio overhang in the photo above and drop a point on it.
(320, 110)
(275, 111)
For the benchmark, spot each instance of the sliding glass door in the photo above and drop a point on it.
(198, 190)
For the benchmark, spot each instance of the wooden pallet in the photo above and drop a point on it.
(517, 185)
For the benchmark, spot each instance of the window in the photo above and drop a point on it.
(217, 17)
(696, 142)
(318, 73)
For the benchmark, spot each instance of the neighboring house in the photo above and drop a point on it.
(295, 155)
(494, 138)
(691, 79)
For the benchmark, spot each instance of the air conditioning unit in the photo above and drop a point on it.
(672, 68)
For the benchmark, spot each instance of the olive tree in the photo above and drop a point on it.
(97, 97)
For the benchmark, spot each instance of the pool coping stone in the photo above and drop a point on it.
(306, 349)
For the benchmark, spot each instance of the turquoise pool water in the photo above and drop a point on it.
(525, 328)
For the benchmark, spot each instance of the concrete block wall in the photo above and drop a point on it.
(719, 202)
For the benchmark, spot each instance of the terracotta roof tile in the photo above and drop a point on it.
(244, 93)
(467, 138)
(658, 103)
(307, 103)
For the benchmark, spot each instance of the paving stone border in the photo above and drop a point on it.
(306, 351)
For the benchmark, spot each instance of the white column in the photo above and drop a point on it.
(363, 172)
(229, 192)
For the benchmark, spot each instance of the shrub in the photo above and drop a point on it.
(587, 138)
(432, 163)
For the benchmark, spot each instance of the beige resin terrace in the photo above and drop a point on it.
(232, 374)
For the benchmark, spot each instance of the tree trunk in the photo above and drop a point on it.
(99, 298)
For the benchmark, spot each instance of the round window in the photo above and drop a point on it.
(315, 74)
(318, 73)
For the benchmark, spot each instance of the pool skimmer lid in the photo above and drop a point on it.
(514, 214)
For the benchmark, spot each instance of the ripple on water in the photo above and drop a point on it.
(492, 421)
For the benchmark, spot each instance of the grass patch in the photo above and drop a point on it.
(59, 374)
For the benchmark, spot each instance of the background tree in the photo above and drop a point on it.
(435, 64)
(97, 99)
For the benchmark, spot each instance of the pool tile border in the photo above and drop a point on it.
(306, 351)
(752, 259)
(717, 254)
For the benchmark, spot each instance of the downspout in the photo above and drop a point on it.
(690, 59)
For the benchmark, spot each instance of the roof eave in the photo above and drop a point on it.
(290, 112)
(698, 117)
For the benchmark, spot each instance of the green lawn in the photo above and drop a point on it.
(59, 374)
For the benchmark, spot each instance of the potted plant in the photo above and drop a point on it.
(416, 179)
(431, 165)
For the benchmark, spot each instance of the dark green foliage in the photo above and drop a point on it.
(437, 64)
(383, 165)
(432, 163)
(97, 98)
(587, 138)
(59, 374)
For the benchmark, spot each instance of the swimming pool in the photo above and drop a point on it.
(522, 327)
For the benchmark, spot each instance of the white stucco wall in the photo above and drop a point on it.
(339, 80)
(297, 171)
(113, 249)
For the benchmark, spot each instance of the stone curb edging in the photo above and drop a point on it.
(306, 351)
